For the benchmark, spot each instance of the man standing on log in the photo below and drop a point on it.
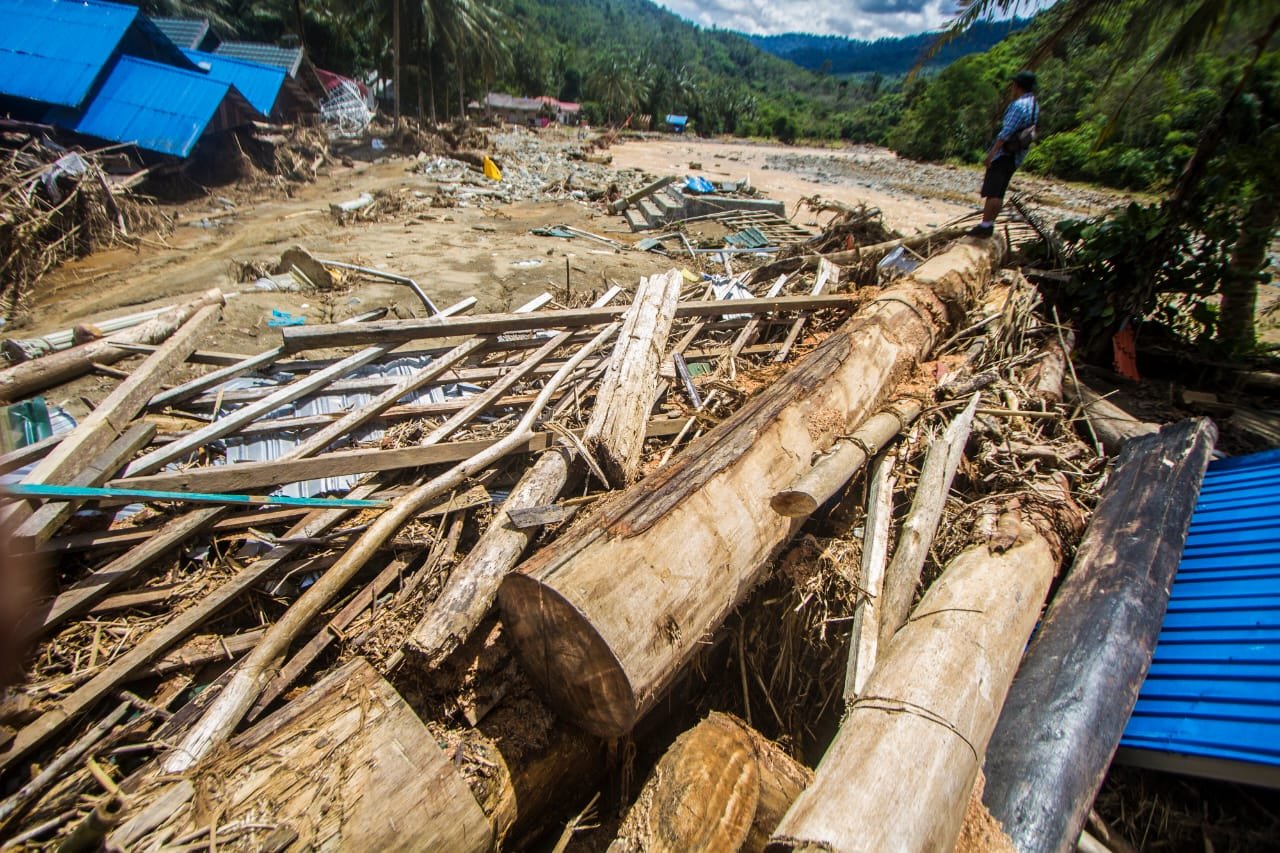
(1009, 150)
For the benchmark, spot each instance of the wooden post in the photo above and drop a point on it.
(27, 378)
(899, 772)
(721, 786)
(939, 469)
(606, 616)
(1077, 686)
(846, 457)
(615, 431)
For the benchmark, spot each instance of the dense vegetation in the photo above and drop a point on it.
(886, 56)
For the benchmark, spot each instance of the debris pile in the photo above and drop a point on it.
(464, 578)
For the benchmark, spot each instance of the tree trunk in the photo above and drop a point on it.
(27, 378)
(1078, 684)
(899, 773)
(606, 616)
(1237, 313)
(1112, 424)
(720, 786)
(347, 765)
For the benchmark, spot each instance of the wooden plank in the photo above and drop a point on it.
(46, 520)
(180, 625)
(252, 475)
(828, 274)
(58, 493)
(400, 331)
(749, 331)
(113, 415)
(1080, 678)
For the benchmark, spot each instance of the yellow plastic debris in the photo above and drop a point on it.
(689, 277)
(491, 170)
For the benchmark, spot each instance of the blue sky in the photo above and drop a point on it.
(863, 19)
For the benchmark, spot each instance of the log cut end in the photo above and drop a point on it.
(564, 654)
(793, 503)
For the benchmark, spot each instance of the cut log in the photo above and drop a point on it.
(1112, 424)
(402, 331)
(833, 469)
(606, 617)
(616, 207)
(615, 432)
(27, 378)
(1052, 369)
(899, 773)
(903, 574)
(721, 786)
(347, 765)
(1078, 684)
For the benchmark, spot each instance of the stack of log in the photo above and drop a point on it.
(540, 585)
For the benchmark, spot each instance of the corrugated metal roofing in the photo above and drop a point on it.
(288, 58)
(183, 32)
(1211, 702)
(260, 84)
(54, 50)
(156, 107)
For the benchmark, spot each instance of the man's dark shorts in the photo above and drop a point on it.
(999, 173)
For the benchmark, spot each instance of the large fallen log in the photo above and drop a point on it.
(1111, 424)
(1080, 678)
(606, 616)
(721, 786)
(27, 378)
(347, 765)
(615, 434)
(899, 773)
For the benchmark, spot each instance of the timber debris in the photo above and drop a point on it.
(495, 567)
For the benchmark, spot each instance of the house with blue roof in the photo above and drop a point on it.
(104, 70)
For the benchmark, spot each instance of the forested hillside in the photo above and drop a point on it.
(887, 56)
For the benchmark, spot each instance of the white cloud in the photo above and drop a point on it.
(861, 19)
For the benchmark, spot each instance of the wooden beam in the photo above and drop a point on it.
(1080, 679)
(399, 331)
(252, 475)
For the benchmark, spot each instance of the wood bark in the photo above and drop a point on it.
(1112, 424)
(402, 331)
(23, 380)
(616, 430)
(903, 574)
(721, 786)
(899, 772)
(347, 765)
(606, 616)
(1080, 678)
(833, 469)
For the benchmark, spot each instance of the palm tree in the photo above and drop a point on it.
(618, 86)
(465, 29)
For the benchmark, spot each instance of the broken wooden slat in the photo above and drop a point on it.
(828, 273)
(44, 522)
(606, 616)
(1080, 679)
(120, 669)
(252, 475)
(749, 331)
(863, 646)
(400, 331)
(27, 378)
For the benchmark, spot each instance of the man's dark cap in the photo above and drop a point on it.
(1026, 80)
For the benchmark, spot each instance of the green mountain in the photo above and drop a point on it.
(887, 56)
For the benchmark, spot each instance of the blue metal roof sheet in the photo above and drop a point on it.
(1211, 701)
(156, 107)
(54, 50)
(260, 84)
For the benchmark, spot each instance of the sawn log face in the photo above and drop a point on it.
(606, 616)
